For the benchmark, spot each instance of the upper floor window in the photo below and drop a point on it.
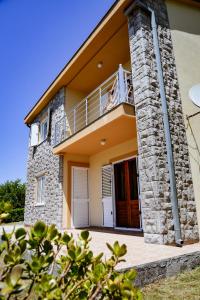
(40, 190)
(43, 130)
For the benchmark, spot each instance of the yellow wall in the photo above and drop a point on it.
(185, 27)
(96, 162)
(66, 210)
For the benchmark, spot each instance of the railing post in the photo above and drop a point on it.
(74, 120)
(100, 102)
(86, 111)
(121, 84)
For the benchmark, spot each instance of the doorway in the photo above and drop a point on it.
(126, 194)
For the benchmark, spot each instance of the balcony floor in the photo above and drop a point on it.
(116, 127)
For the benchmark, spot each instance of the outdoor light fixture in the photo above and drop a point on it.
(103, 142)
(100, 65)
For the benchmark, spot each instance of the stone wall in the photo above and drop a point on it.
(41, 160)
(153, 168)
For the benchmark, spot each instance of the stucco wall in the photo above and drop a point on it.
(185, 30)
(96, 162)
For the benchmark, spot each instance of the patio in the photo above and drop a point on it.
(138, 252)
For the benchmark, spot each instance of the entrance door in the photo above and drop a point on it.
(126, 194)
(80, 197)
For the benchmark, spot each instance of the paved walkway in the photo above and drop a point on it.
(138, 252)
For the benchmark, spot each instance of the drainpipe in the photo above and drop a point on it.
(174, 200)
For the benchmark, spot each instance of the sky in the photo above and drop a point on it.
(37, 38)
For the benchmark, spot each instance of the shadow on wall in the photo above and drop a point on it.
(186, 19)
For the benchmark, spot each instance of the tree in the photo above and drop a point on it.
(13, 192)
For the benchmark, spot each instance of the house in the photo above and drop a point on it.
(110, 144)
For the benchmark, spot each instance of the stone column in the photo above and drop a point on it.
(153, 168)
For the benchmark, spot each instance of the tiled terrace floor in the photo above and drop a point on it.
(138, 252)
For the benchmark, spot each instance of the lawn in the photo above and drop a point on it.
(185, 286)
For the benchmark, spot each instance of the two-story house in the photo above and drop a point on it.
(109, 137)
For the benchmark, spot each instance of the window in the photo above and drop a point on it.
(43, 130)
(40, 190)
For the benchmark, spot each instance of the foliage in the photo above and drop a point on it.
(46, 264)
(13, 192)
(15, 215)
(5, 208)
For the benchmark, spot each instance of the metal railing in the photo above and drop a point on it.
(116, 89)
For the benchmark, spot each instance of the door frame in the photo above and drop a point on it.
(114, 198)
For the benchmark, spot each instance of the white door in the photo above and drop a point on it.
(107, 196)
(80, 197)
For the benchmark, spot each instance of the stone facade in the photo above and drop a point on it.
(153, 168)
(41, 160)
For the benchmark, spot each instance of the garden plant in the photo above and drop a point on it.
(43, 263)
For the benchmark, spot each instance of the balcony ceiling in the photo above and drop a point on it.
(118, 126)
(114, 51)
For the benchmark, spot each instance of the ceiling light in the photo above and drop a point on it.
(103, 142)
(100, 65)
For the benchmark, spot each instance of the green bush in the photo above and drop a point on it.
(15, 215)
(46, 264)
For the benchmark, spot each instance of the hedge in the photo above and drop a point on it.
(15, 215)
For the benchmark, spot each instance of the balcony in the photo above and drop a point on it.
(116, 90)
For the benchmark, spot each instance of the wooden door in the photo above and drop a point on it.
(126, 194)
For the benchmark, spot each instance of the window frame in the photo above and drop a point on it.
(40, 189)
(42, 136)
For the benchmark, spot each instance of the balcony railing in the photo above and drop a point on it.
(116, 89)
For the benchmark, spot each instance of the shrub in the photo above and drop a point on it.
(5, 208)
(13, 192)
(47, 264)
(15, 215)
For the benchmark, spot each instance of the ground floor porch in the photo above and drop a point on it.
(138, 252)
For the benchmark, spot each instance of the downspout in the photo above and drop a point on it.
(174, 200)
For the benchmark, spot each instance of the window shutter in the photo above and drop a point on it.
(34, 134)
(106, 181)
(108, 220)
(48, 122)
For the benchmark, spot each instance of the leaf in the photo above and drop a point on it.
(66, 238)
(20, 233)
(39, 229)
(15, 274)
(71, 254)
(85, 235)
(109, 247)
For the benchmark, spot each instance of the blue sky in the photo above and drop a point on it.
(37, 38)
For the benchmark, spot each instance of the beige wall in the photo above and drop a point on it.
(96, 162)
(185, 27)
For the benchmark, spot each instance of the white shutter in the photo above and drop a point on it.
(80, 197)
(34, 134)
(107, 196)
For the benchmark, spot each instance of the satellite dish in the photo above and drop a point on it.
(194, 94)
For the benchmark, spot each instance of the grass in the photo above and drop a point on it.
(185, 286)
